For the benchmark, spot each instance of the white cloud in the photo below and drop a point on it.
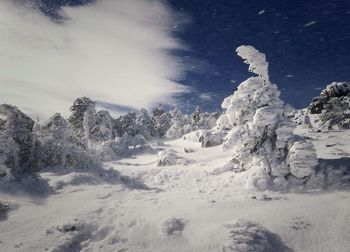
(207, 96)
(115, 51)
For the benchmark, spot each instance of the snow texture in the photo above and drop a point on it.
(169, 157)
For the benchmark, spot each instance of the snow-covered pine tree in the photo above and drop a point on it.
(144, 124)
(127, 124)
(162, 121)
(89, 123)
(261, 136)
(196, 118)
(53, 138)
(179, 124)
(17, 146)
(83, 109)
(104, 128)
(203, 120)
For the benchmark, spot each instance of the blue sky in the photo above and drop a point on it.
(307, 44)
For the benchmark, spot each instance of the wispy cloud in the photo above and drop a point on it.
(114, 51)
(207, 96)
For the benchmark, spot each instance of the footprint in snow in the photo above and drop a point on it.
(299, 224)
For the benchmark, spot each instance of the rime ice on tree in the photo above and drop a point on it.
(261, 136)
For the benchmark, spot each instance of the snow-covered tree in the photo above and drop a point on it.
(17, 145)
(260, 135)
(104, 128)
(203, 120)
(60, 149)
(127, 124)
(144, 124)
(53, 137)
(83, 109)
(196, 117)
(89, 123)
(162, 121)
(178, 124)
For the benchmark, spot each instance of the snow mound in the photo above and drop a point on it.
(245, 236)
(169, 157)
(193, 136)
(207, 138)
(173, 226)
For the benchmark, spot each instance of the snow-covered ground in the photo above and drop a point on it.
(191, 206)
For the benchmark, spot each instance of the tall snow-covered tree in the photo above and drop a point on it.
(17, 145)
(83, 109)
(180, 124)
(144, 124)
(260, 135)
(104, 128)
(162, 121)
(89, 123)
(53, 138)
(127, 124)
(196, 117)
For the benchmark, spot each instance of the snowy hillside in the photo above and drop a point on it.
(258, 177)
(180, 208)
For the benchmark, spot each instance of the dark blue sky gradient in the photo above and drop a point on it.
(307, 44)
(303, 56)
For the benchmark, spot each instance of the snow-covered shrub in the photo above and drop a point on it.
(245, 236)
(194, 136)
(336, 89)
(331, 109)
(169, 157)
(261, 136)
(17, 144)
(123, 146)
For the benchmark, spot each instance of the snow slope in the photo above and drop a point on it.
(192, 207)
